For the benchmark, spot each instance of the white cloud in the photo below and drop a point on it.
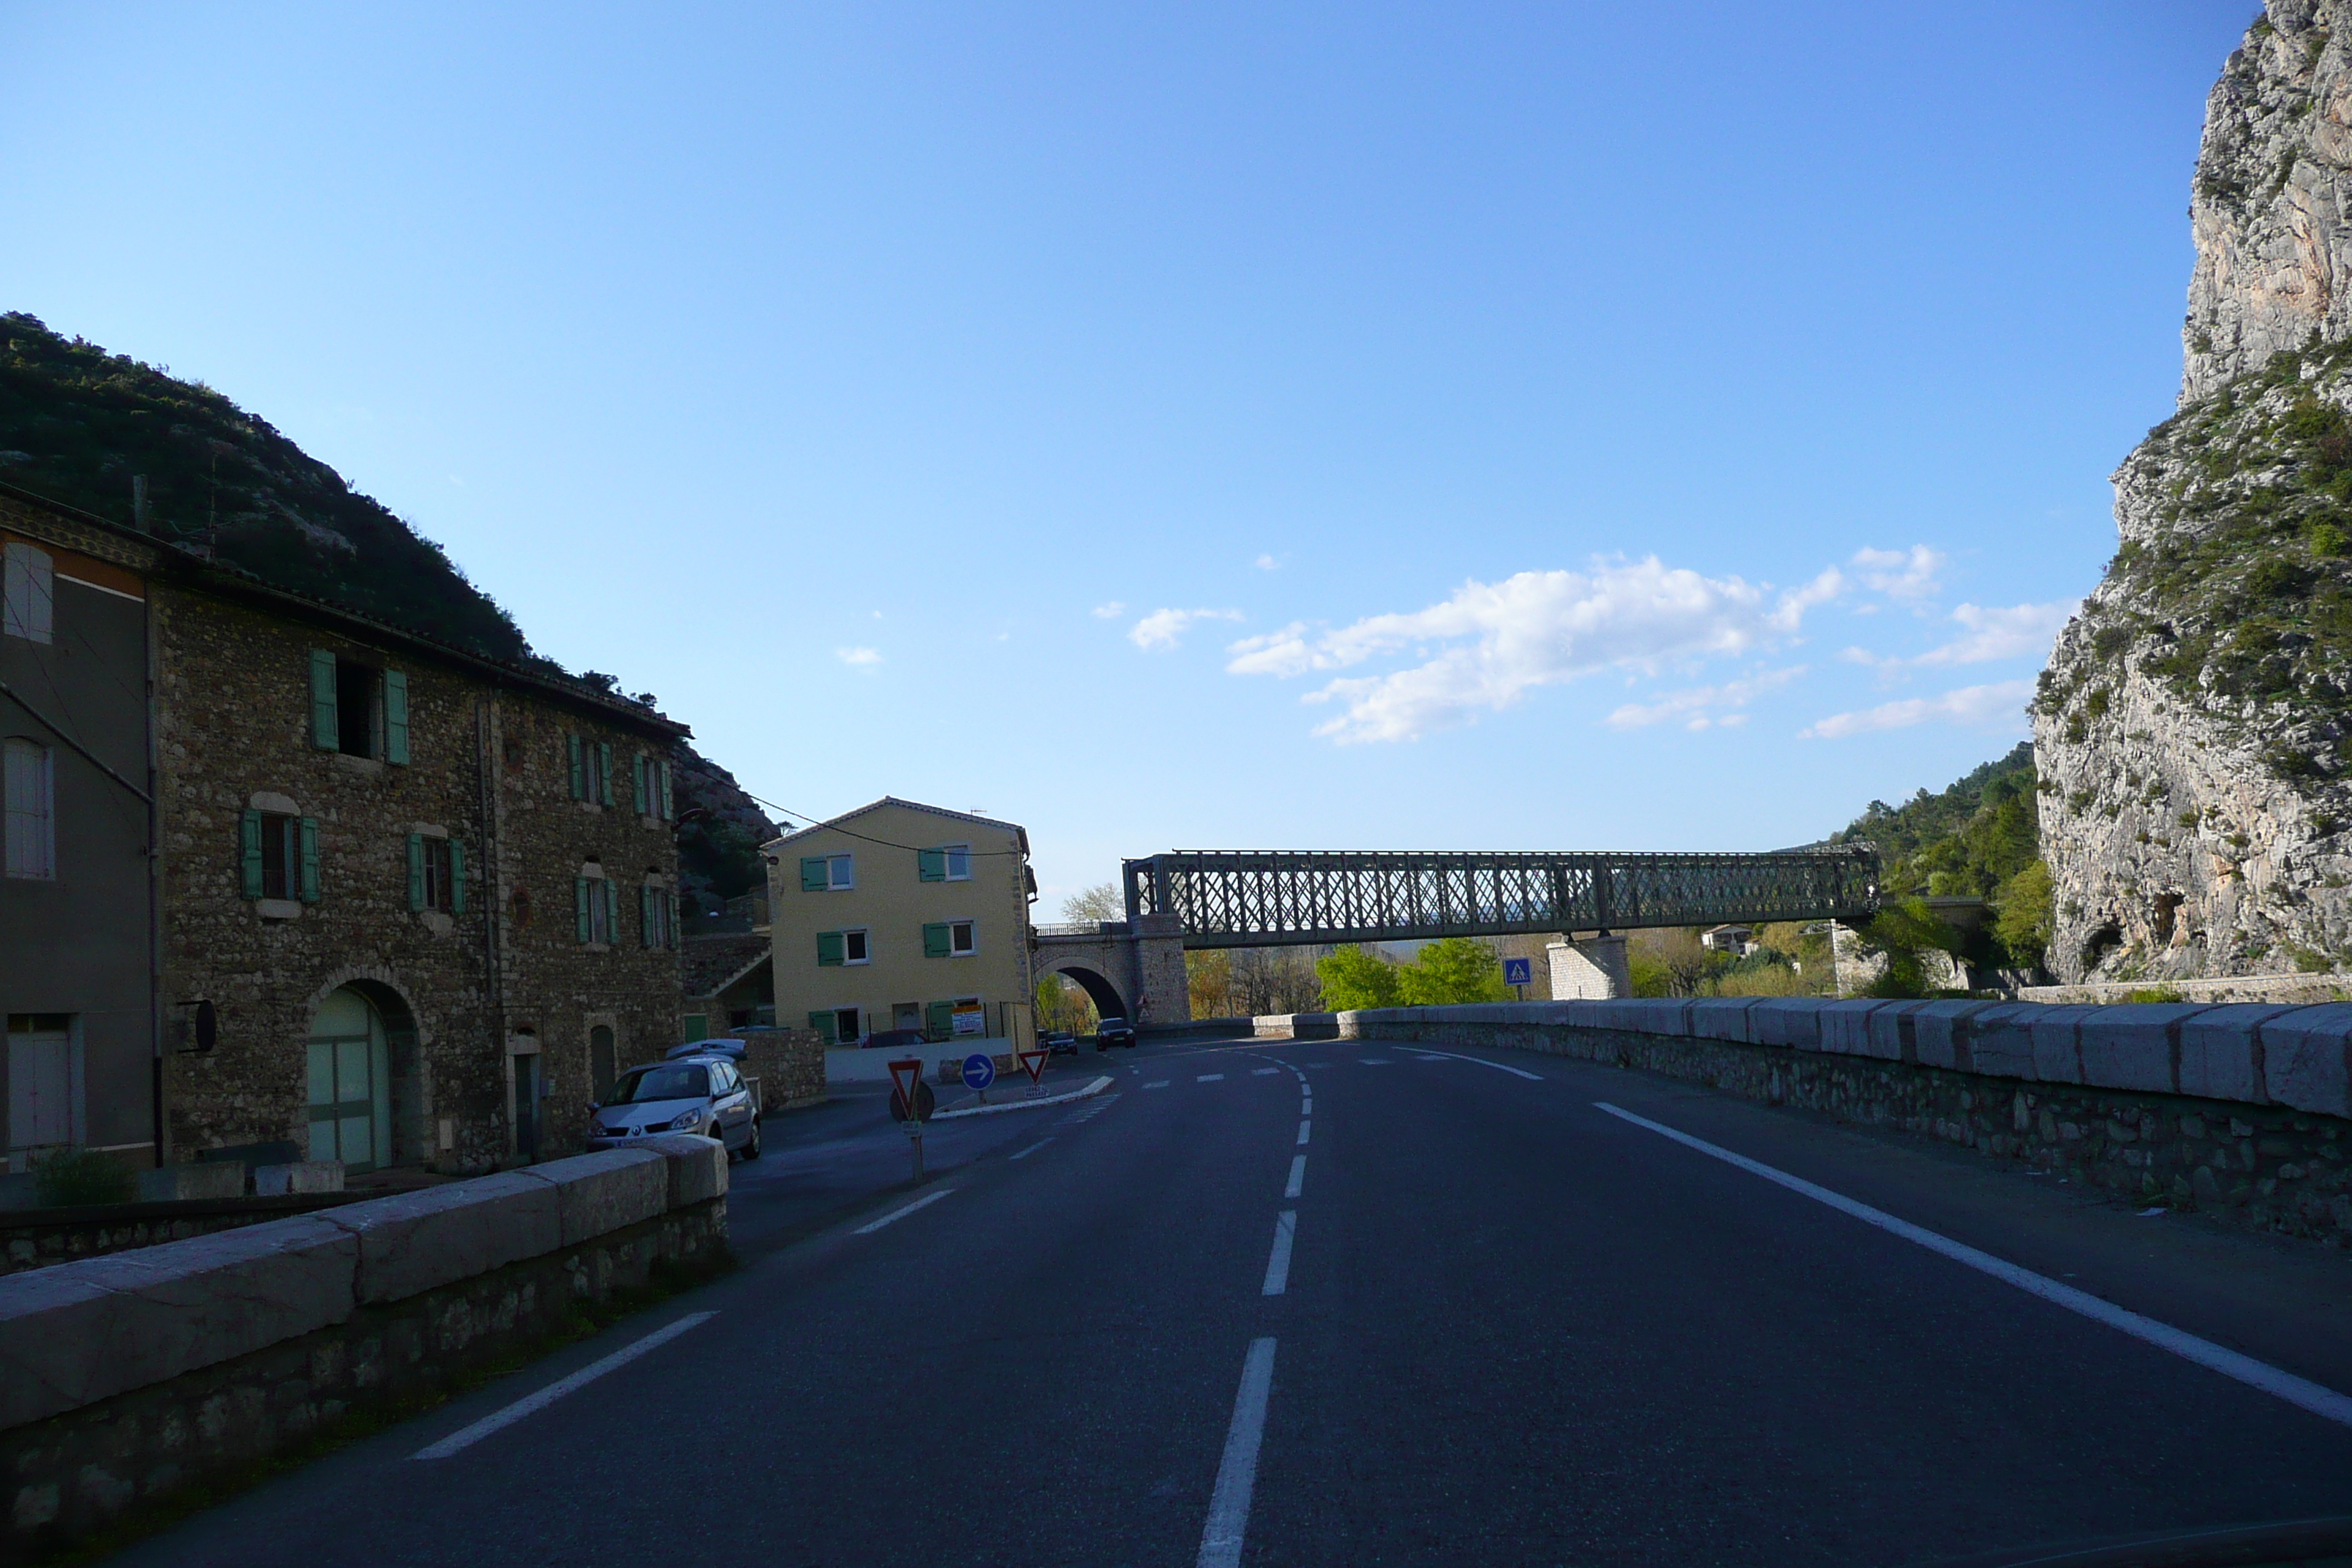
(1271, 562)
(1488, 644)
(1911, 573)
(1161, 628)
(858, 655)
(1970, 705)
(1698, 708)
(1111, 611)
(2018, 631)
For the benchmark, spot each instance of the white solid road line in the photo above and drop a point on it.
(1482, 1061)
(895, 1216)
(1297, 1175)
(2315, 1397)
(1229, 1505)
(1372, 1062)
(1033, 1149)
(467, 1436)
(1277, 1262)
(1303, 1126)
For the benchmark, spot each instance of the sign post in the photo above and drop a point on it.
(1519, 973)
(911, 1102)
(979, 1072)
(1033, 1064)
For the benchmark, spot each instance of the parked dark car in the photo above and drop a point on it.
(895, 1039)
(1113, 1032)
(1058, 1042)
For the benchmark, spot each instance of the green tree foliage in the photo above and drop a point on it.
(77, 424)
(1357, 977)
(1454, 968)
(2023, 912)
(72, 1177)
(1103, 901)
(1904, 932)
(1971, 841)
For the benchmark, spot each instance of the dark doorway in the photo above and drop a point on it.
(604, 1063)
(526, 1093)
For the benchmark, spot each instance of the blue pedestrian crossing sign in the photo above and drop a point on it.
(1519, 972)
(979, 1070)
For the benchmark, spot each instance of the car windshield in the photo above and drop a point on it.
(1114, 1024)
(678, 1082)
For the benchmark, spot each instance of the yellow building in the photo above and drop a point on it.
(903, 916)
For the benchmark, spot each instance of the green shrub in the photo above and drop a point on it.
(1356, 977)
(2156, 994)
(73, 1177)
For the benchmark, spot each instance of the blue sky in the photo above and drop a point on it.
(1544, 426)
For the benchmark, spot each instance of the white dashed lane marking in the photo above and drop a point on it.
(1157, 1083)
(1298, 1176)
(1302, 1135)
(1265, 1072)
(1209, 1078)
(1277, 1262)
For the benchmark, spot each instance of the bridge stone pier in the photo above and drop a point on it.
(1132, 969)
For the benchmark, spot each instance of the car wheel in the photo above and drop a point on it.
(752, 1144)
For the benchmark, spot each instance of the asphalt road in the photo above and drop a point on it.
(1511, 1326)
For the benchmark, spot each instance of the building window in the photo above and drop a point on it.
(949, 938)
(593, 905)
(837, 1024)
(947, 863)
(437, 874)
(45, 1089)
(279, 855)
(511, 749)
(592, 769)
(519, 908)
(357, 709)
(31, 805)
(654, 787)
(657, 916)
(828, 873)
(31, 591)
(841, 947)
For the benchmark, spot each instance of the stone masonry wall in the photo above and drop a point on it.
(235, 702)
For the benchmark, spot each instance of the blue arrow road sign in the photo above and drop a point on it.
(979, 1071)
(1519, 972)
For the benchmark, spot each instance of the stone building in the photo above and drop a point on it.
(416, 906)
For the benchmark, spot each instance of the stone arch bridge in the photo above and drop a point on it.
(1223, 898)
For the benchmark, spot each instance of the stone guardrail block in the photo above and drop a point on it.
(2056, 1033)
(1845, 1028)
(1894, 1031)
(415, 1241)
(1792, 1021)
(605, 1191)
(1723, 1019)
(697, 1167)
(2134, 1047)
(2220, 1051)
(83, 1332)
(1999, 1041)
(1939, 1032)
(2307, 1058)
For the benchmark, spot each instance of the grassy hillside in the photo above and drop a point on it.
(77, 424)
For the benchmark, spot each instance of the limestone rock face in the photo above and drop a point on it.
(2193, 732)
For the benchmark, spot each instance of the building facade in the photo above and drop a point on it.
(413, 907)
(901, 916)
(77, 891)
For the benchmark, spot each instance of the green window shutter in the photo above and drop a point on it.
(829, 949)
(668, 807)
(941, 1017)
(395, 717)
(669, 905)
(935, 939)
(605, 780)
(827, 1027)
(644, 798)
(249, 846)
(307, 831)
(932, 865)
(416, 870)
(579, 768)
(811, 873)
(456, 877)
(580, 904)
(645, 916)
(325, 732)
(697, 1026)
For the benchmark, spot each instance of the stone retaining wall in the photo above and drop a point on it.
(40, 1238)
(2239, 1109)
(789, 1064)
(126, 1379)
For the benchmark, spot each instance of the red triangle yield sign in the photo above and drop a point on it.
(1033, 1064)
(905, 1076)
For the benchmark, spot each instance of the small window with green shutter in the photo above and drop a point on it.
(827, 1026)
(935, 939)
(250, 854)
(603, 772)
(577, 753)
(829, 949)
(437, 871)
(278, 857)
(395, 717)
(668, 812)
(306, 840)
(326, 730)
(938, 1020)
(932, 865)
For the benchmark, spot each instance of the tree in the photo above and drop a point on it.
(1102, 901)
(2022, 918)
(1209, 981)
(1453, 969)
(1903, 932)
(1357, 977)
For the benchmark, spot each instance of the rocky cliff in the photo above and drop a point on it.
(2194, 728)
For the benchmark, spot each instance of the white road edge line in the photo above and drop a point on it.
(1277, 1262)
(1032, 1149)
(2317, 1398)
(898, 1213)
(1482, 1061)
(1303, 1126)
(1298, 1176)
(467, 1436)
(1229, 1505)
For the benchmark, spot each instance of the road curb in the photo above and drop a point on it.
(1093, 1088)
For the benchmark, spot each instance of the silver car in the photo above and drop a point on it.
(698, 1094)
